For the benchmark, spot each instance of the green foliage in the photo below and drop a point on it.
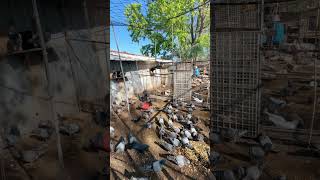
(186, 35)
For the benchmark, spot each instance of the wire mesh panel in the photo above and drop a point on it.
(235, 68)
(182, 78)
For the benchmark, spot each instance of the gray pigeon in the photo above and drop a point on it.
(265, 142)
(179, 160)
(70, 128)
(253, 173)
(225, 175)
(165, 145)
(32, 155)
(256, 153)
(215, 138)
(156, 166)
(132, 139)
(215, 158)
(41, 134)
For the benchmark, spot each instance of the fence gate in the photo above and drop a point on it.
(182, 78)
(235, 65)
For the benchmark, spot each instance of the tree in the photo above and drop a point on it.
(172, 31)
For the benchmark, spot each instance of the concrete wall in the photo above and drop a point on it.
(138, 81)
(77, 71)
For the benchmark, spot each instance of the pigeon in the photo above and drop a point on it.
(180, 117)
(278, 102)
(161, 132)
(214, 157)
(170, 123)
(156, 166)
(146, 116)
(132, 139)
(252, 173)
(187, 134)
(111, 131)
(41, 134)
(161, 121)
(136, 119)
(279, 121)
(256, 153)
(175, 141)
(193, 131)
(199, 137)
(32, 155)
(174, 117)
(179, 160)
(120, 147)
(232, 135)
(265, 142)
(215, 138)
(148, 125)
(177, 130)
(172, 134)
(165, 145)
(197, 99)
(239, 172)
(141, 148)
(69, 129)
(185, 141)
(225, 175)
(189, 116)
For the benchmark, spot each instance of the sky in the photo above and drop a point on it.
(124, 40)
(120, 32)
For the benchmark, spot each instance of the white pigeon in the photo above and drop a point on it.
(111, 131)
(177, 130)
(198, 100)
(174, 117)
(279, 121)
(169, 107)
(170, 122)
(161, 121)
(193, 131)
(189, 116)
(121, 145)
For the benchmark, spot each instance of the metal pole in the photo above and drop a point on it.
(123, 75)
(50, 88)
(315, 80)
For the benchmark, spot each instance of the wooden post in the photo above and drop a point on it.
(50, 88)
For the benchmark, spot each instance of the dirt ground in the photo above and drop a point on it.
(131, 160)
(78, 164)
(279, 162)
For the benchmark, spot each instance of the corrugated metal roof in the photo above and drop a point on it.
(114, 56)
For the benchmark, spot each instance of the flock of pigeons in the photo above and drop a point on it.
(175, 128)
(256, 153)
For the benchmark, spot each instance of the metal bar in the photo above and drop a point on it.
(315, 82)
(123, 75)
(50, 87)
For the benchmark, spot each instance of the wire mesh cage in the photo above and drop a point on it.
(182, 81)
(235, 68)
